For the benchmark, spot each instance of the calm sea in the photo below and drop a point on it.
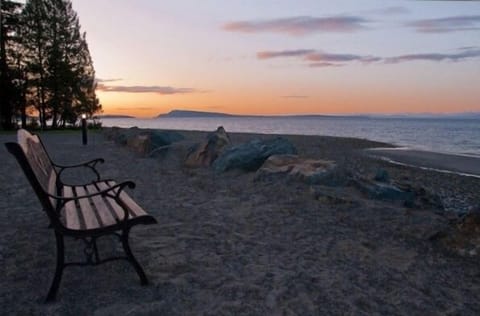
(447, 135)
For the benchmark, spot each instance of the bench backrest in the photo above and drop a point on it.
(39, 160)
(37, 166)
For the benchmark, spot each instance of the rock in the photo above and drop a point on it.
(161, 138)
(140, 144)
(410, 196)
(384, 191)
(250, 156)
(204, 154)
(293, 166)
(423, 198)
(142, 141)
(121, 136)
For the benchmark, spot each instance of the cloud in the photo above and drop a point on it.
(284, 53)
(324, 64)
(300, 25)
(318, 59)
(448, 24)
(108, 80)
(322, 57)
(145, 89)
(464, 54)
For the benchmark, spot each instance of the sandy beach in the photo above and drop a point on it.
(233, 244)
(467, 165)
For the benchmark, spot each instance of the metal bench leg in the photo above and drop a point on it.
(131, 258)
(58, 270)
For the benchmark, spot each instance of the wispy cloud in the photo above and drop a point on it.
(324, 65)
(300, 25)
(322, 57)
(284, 53)
(317, 59)
(448, 24)
(464, 54)
(108, 80)
(145, 89)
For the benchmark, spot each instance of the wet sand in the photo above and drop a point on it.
(230, 244)
(445, 162)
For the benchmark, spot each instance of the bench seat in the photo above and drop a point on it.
(98, 211)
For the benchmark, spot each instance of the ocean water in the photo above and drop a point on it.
(445, 135)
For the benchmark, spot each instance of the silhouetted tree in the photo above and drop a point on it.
(10, 91)
(60, 75)
(35, 40)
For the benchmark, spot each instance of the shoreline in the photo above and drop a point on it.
(459, 164)
(409, 133)
(441, 162)
(454, 163)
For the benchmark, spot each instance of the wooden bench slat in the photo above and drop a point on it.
(132, 205)
(134, 208)
(88, 212)
(52, 186)
(102, 207)
(118, 210)
(72, 220)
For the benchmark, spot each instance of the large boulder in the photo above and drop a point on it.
(142, 141)
(250, 156)
(295, 167)
(204, 154)
(159, 138)
(139, 143)
(381, 188)
(385, 191)
(121, 136)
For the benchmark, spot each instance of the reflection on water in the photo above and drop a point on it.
(460, 136)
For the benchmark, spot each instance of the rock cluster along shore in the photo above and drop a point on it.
(276, 159)
(273, 157)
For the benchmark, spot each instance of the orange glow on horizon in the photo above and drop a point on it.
(146, 105)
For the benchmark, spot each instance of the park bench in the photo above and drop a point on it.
(85, 212)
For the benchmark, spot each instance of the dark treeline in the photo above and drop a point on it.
(45, 66)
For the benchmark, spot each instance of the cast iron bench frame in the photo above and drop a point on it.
(86, 212)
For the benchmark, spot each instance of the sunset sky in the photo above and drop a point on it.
(284, 57)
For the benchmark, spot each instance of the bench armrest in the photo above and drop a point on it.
(112, 192)
(88, 164)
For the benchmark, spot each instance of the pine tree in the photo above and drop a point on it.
(35, 40)
(60, 69)
(10, 95)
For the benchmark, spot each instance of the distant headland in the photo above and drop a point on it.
(185, 113)
(194, 114)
